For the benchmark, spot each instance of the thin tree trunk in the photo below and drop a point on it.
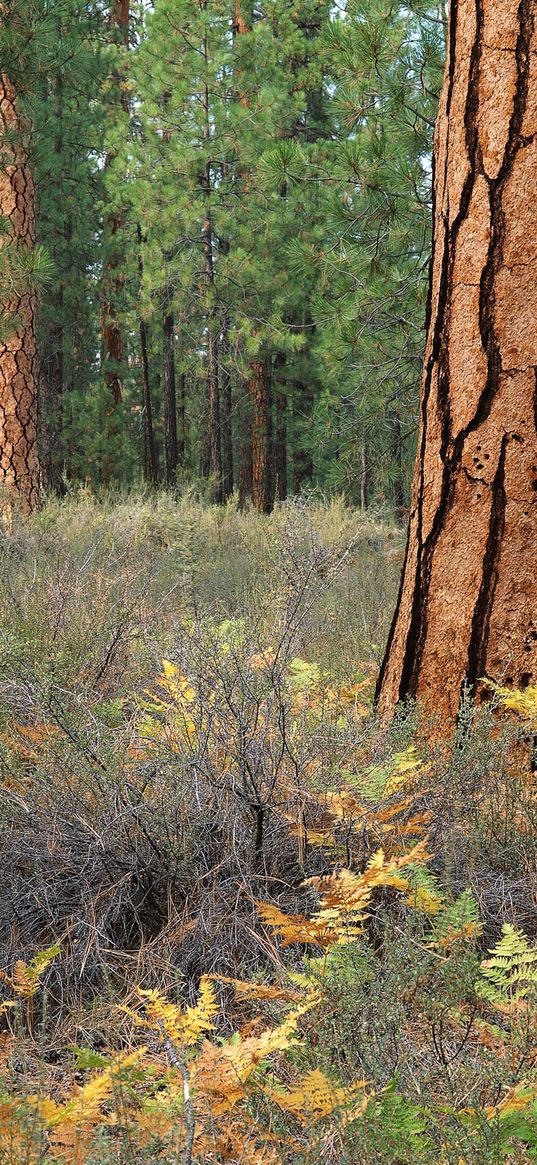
(244, 445)
(259, 385)
(226, 418)
(181, 419)
(364, 476)
(151, 459)
(213, 387)
(280, 434)
(170, 398)
(467, 607)
(19, 465)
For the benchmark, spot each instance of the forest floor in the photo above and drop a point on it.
(197, 802)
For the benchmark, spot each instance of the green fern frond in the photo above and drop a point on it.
(511, 972)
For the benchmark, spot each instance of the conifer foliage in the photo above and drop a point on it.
(231, 213)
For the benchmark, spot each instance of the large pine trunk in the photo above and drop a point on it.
(19, 467)
(467, 606)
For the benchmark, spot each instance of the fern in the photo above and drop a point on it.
(26, 978)
(509, 976)
(345, 898)
(316, 1097)
(457, 923)
(184, 1028)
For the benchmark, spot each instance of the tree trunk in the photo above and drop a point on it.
(226, 417)
(181, 419)
(170, 398)
(364, 476)
(467, 606)
(213, 386)
(259, 385)
(19, 467)
(280, 434)
(151, 461)
(244, 445)
(150, 448)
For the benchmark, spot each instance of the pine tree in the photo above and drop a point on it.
(384, 62)
(68, 139)
(19, 467)
(466, 608)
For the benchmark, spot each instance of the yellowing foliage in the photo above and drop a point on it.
(316, 1097)
(345, 897)
(182, 1027)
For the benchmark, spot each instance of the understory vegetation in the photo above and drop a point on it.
(242, 921)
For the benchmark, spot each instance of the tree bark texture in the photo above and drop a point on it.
(19, 467)
(467, 606)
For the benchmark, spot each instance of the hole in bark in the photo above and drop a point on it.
(486, 456)
(525, 679)
(534, 485)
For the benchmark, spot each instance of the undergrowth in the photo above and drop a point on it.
(240, 920)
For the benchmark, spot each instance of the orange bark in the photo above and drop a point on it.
(468, 600)
(19, 468)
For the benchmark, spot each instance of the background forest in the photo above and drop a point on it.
(233, 207)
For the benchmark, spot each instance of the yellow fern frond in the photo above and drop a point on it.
(25, 978)
(246, 990)
(182, 1027)
(315, 1097)
(345, 897)
(85, 1107)
(198, 1020)
(221, 1073)
(523, 701)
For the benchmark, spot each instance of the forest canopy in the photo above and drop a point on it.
(232, 228)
